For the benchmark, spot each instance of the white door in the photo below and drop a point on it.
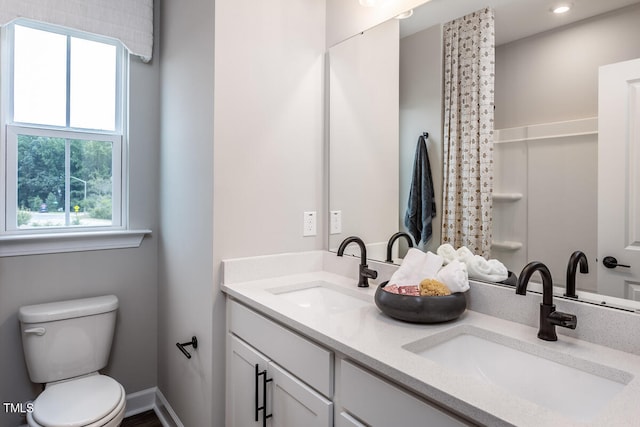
(243, 388)
(294, 404)
(619, 180)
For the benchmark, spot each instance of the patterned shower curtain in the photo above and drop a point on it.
(469, 52)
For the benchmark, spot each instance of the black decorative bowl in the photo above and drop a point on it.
(511, 280)
(420, 309)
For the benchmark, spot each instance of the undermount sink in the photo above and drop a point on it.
(322, 297)
(574, 387)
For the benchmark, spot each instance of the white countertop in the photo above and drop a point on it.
(374, 340)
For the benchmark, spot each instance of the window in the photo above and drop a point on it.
(63, 131)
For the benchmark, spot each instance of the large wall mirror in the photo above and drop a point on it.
(550, 176)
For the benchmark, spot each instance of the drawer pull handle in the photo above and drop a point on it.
(258, 407)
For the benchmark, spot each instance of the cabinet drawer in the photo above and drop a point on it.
(308, 361)
(379, 403)
(346, 420)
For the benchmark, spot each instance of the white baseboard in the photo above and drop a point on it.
(165, 412)
(152, 399)
(140, 401)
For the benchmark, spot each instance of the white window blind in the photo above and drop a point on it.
(130, 21)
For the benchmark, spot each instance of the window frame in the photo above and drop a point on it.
(10, 129)
(66, 239)
(11, 177)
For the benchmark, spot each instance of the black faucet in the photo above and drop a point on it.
(576, 257)
(392, 240)
(365, 273)
(549, 317)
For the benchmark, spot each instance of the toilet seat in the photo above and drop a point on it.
(92, 401)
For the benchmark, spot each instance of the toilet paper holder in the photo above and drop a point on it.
(181, 346)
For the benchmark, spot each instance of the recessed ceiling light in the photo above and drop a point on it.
(561, 8)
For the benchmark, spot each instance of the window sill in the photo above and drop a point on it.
(35, 244)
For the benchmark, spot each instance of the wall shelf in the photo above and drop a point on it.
(506, 197)
(506, 245)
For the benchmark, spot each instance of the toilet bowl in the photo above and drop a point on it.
(65, 344)
(91, 401)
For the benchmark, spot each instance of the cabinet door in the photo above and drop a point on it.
(241, 384)
(381, 404)
(294, 404)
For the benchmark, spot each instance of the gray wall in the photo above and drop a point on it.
(421, 111)
(185, 280)
(130, 274)
(553, 76)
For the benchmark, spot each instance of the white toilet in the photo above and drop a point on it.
(65, 344)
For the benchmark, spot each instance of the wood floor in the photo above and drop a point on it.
(144, 419)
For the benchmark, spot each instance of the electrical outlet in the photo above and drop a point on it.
(309, 224)
(336, 222)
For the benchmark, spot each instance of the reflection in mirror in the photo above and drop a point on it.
(363, 180)
(469, 73)
(547, 141)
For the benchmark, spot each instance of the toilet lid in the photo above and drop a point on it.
(78, 402)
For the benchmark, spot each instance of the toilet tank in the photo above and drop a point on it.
(66, 339)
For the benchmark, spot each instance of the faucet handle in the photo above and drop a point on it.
(565, 320)
(365, 274)
(368, 273)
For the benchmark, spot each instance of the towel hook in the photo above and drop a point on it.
(425, 135)
(193, 342)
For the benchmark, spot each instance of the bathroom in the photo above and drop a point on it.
(213, 134)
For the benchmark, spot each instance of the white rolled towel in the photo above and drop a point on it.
(447, 253)
(416, 266)
(432, 264)
(464, 254)
(491, 271)
(455, 276)
(498, 269)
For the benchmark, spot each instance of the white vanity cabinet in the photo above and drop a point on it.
(296, 374)
(300, 380)
(368, 400)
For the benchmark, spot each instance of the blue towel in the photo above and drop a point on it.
(422, 203)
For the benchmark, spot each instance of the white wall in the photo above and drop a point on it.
(268, 126)
(421, 111)
(130, 274)
(363, 152)
(186, 285)
(346, 18)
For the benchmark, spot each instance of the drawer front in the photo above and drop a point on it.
(381, 404)
(306, 360)
(346, 420)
